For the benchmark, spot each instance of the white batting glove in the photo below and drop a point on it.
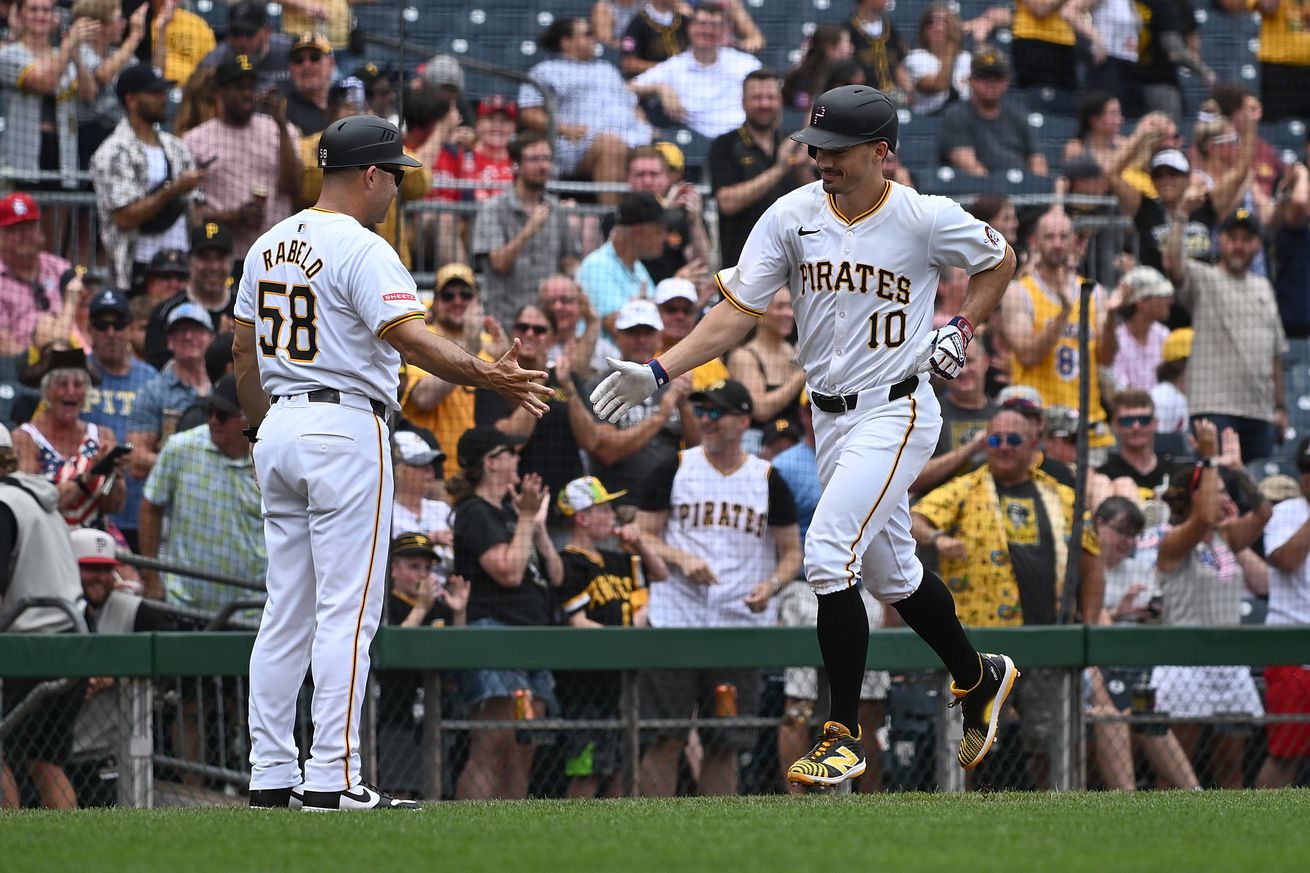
(943, 352)
(629, 384)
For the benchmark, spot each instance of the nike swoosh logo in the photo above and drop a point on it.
(800, 231)
(363, 795)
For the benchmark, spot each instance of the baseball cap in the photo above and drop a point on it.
(497, 103)
(92, 546)
(478, 442)
(233, 70)
(1060, 421)
(1279, 487)
(308, 40)
(444, 70)
(728, 395)
(1023, 399)
(1146, 282)
(109, 300)
(1170, 159)
(140, 78)
(413, 450)
(169, 262)
(1241, 217)
(782, 428)
(582, 494)
(370, 73)
(675, 288)
(413, 543)
(673, 156)
(638, 312)
(1177, 345)
(454, 272)
(224, 395)
(189, 311)
(990, 62)
(211, 235)
(6, 441)
(639, 207)
(1082, 167)
(246, 17)
(351, 88)
(17, 208)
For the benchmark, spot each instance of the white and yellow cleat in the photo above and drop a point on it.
(837, 756)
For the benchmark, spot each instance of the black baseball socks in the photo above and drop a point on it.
(844, 641)
(930, 613)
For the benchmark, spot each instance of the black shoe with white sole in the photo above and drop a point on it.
(362, 796)
(275, 798)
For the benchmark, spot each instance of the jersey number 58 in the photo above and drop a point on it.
(294, 309)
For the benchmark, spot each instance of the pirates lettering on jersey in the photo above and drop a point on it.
(723, 514)
(819, 276)
(296, 252)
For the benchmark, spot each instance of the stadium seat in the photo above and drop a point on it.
(1051, 101)
(956, 184)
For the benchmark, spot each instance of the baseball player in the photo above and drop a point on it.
(862, 256)
(324, 314)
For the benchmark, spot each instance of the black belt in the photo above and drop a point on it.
(332, 395)
(836, 403)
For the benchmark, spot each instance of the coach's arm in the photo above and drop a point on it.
(245, 368)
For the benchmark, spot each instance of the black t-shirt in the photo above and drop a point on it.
(959, 426)
(551, 452)
(600, 584)
(658, 495)
(1116, 468)
(1158, 18)
(1058, 471)
(1032, 552)
(735, 157)
(632, 473)
(1152, 224)
(651, 41)
(305, 114)
(880, 55)
(479, 526)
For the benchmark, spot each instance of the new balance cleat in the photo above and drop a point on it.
(981, 706)
(837, 756)
(361, 797)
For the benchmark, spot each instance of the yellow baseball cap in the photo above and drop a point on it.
(582, 494)
(1178, 345)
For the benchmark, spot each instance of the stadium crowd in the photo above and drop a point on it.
(121, 414)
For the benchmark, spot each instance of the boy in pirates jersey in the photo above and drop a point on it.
(601, 588)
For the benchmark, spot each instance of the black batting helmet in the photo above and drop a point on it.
(362, 141)
(848, 116)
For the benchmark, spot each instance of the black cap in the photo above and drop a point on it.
(141, 77)
(849, 115)
(990, 62)
(224, 396)
(56, 359)
(1082, 167)
(782, 428)
(1241, 217)
(730, 396)
(169, 262)
(211, 235)
(370, 73)
(478, 442)
(414, 543)
(362, 141)
(110, 300)
(233, 70)
(247, 17)
(639, 207)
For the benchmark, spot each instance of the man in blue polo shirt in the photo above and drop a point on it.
(614, 273)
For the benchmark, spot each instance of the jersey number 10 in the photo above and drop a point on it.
(295, 308)
(892, 326)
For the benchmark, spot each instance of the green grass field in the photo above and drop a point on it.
(1179, 832)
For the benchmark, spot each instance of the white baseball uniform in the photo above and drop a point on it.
(863, 289)
(321, 292)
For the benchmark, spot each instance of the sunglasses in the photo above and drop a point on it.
(1127, 421)
(396, 173)
(712, 413)
(108, 324)
(1013, 440)
(40, 297)
(311, 57)
(465, 295)
(537, 329)
(222, 416)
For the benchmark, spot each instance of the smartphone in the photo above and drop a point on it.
(105, 465)
(205, 164)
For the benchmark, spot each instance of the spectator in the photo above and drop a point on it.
(199, 100)
(725, 524)
(1059, 456)
(1201, 585)
(1135, 468)
(41, 88)
(1225, 159)
(1140, 334)
(552, 445)
(144, 179)
(615, 273)
(160, 404)
(121, 377)
(256, 172)
(332, 18)
(754, 165)
(938, 70)
(1291, 277)
(1043, 45)
(577, 329)
(610, 20)
(1116, 26)
(779, 435)
(1171, 414)
(487, 160)
(444, 74)
(984, 134)
(379, 91)
(699, 87)
(686, 242)
(110, 609)
(998, 211)
(523, 233)
(209, 287)
(1170, 40)
(767, 364)
(1237, 379)
(679, 307)
(202, 508)
(602, 587)
(312, 66)
(1234, 102)
(249, 33)
(105, 54)
(647, 436)
(1152, 213)
(1002, 533)
(57, 444)
(29, 275)
(595, 114)
(653, 35)
(828, 44)
(966, 409)
(1287, 688)
(36, 560)
(743, 32)
(417, 467)
(1284, 56)
(502, 548)
(1039, 318)
(879, 48)
(1100, 119)
(179, 39)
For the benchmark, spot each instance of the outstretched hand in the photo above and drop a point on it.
(527, 388)
(629, 384)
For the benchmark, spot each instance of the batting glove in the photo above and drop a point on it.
(943, 352)
(629, 384)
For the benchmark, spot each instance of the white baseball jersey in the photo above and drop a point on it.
(863, 287)
(321, 292)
